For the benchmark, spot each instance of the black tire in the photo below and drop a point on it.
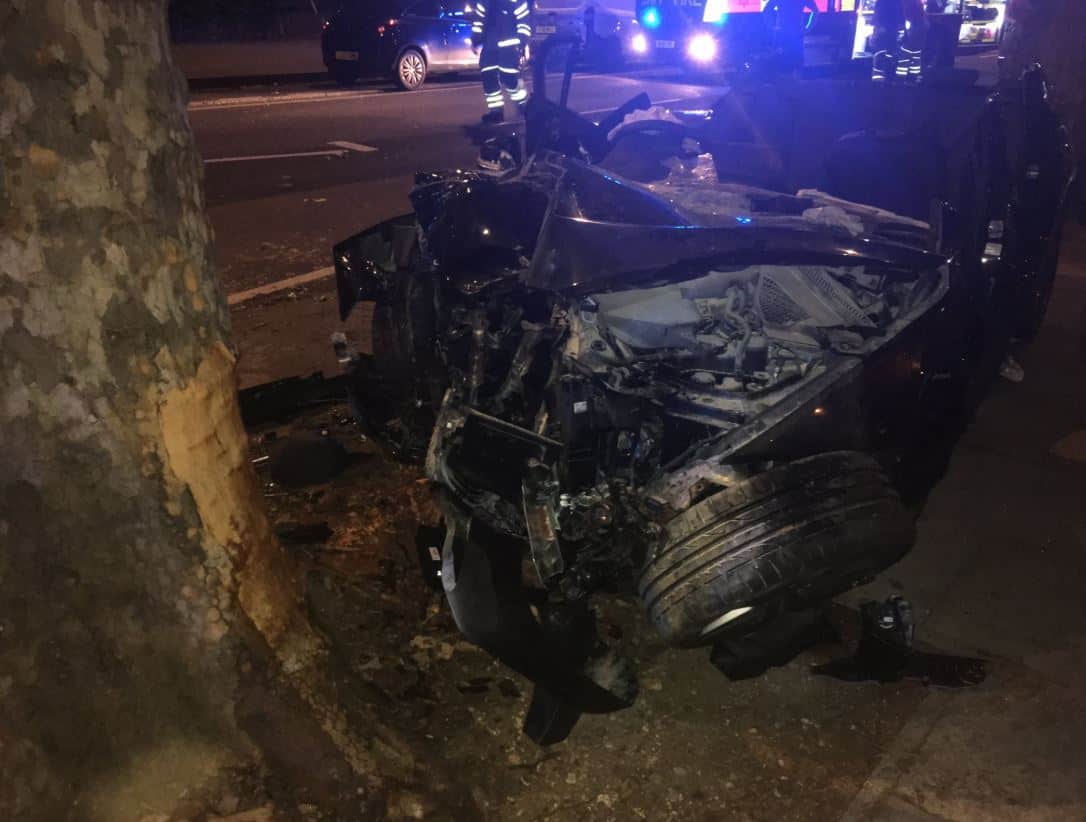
(410, 69)
(797, 534)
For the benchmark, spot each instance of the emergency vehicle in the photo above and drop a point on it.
(715, 33)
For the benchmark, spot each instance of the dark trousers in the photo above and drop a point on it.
(500, 67)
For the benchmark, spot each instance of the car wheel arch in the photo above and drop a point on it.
(427, 63)
(419, 47)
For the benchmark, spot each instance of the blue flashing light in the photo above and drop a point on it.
(650, 18)
(744, 220)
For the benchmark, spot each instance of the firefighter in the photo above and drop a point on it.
(916, 19)
(888, 22)
(501, 28)
(793, 18)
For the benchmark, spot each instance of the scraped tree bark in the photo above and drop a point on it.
(151, 629)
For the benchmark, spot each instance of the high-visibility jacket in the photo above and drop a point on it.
(500, 23)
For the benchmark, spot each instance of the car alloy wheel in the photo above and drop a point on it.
(411, 70)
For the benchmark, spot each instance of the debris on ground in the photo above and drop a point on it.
(365, 590)
(886, 654)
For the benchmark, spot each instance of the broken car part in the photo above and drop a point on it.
(715, 396)
(885, 653)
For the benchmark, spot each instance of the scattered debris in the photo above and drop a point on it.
(773, 644)
(885, 653)
(300, 462)
(281, 399)
(428, 542)
(477, 685)
(306, 533)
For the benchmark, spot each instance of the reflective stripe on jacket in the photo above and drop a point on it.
(501, 22)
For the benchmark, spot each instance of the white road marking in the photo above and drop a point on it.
(242, 101)
(347, 144)
(329, 271)
(279, 285)
(343, 147)
(313, 97)
(338, 152)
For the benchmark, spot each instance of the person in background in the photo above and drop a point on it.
(501, 28)
(888, 21)
(793, 19)
(916, 19)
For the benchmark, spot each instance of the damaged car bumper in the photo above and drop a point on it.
(719, 398)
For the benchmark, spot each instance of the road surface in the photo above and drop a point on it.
(289, 173)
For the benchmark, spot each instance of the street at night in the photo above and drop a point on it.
(710, 445)
(292, 170)
(786, 745)
(338, 160)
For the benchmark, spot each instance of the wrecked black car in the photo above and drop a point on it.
(649, 360)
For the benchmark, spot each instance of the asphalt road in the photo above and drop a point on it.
(290, 172)
(247, 142)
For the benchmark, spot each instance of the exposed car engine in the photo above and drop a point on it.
(719, 397)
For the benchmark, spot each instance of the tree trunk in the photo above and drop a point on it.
(152, 631)
(1050, 32)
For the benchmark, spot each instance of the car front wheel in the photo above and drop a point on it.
(411, 70)
(791, 537)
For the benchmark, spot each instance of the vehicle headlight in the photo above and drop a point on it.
(702, 47)
(639, 43)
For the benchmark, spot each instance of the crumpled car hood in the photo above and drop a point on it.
(584, 228)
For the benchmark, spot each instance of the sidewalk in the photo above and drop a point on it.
(999, 571)
(288, 59)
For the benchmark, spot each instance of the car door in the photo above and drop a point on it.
(456, 15)
(426, 29)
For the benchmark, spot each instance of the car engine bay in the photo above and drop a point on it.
(624, 373)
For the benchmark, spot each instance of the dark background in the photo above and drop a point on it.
(212, 20)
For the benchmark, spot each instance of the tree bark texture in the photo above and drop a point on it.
(151, 628)
(1053, 33)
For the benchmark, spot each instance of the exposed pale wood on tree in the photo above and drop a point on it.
(151, 627)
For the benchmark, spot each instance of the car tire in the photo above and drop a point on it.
(410, 70)
(344, 74)
(793, 535)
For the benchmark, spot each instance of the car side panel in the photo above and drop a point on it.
(428, 35)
